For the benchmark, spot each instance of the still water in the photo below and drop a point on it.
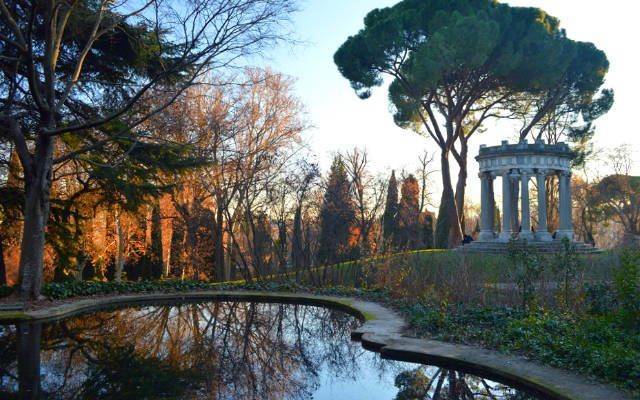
(217, 350)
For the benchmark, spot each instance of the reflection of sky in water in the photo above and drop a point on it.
(226, 350)
(374, 380)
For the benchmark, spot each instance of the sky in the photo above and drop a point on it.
(341, 121)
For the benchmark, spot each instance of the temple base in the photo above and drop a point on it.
(543, 236)
(501, 247)
(504, 237)
(564, 233)
(487, 236)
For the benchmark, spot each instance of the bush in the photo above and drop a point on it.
(599, 298)
(595, 345)
(6, 290)
(627, 285)
(526, 270)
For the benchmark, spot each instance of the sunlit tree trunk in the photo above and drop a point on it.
(120, 245)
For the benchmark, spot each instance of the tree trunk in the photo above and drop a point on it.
(448, 208)
(120, 247)
(192, 242)
(3, 266)
(36, 214)
(461, 185)
(297, 250)
(166, 232)
(282, 248)
(219, 246)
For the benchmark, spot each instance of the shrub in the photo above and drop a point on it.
(5, 290)
(526, 270)
(599, 298)
(627, 285)
(567, 267)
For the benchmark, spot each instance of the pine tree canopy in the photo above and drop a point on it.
(469, 48)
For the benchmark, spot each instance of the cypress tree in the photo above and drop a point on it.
(409, 235)
(389, 218)
(337, 216)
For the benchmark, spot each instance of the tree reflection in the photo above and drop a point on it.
(221, 350)
(431, 383)
(217, 350)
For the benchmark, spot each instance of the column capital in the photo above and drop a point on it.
(565, 172)
(490, 175)
(542, 171)
(526, 171)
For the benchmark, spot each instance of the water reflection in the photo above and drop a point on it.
(219, 350)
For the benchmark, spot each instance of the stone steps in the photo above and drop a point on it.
(539, 247)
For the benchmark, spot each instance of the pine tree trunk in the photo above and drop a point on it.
(451, 229)
(461, 185)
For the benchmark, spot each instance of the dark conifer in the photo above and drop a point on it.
(336, 217)
(409, 235)
(389, 218)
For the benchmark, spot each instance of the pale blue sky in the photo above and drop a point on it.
(341, 120)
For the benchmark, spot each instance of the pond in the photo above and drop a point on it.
(217, 350)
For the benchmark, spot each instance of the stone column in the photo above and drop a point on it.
(506, 233)
(542, 233)
(492, 204)
(486, 204)
(565, 209)
(526, 214)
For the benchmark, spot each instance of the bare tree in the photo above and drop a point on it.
(620, 159)
(368, 194)
(424, 172)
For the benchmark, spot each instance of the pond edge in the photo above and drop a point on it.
(381, 331)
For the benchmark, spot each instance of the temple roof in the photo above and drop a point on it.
(537, 156)
(539, 148)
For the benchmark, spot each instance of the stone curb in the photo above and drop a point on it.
(381, 332)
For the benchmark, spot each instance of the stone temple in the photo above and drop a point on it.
(517, 165)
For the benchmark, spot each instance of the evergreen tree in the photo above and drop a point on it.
(409, 235)
(389, 218)
(336, 217)
(426, 222)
